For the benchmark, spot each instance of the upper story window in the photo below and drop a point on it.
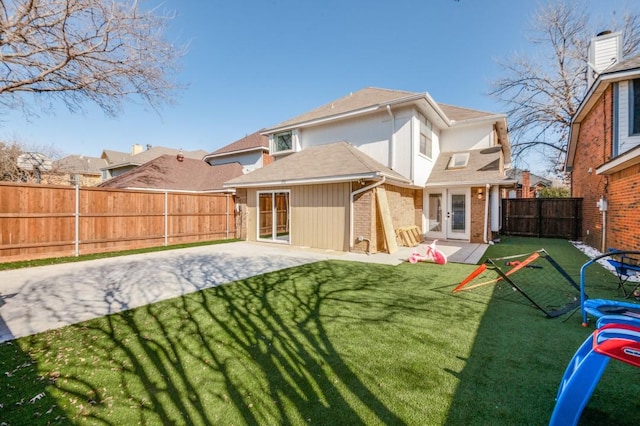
(634, 107)
(283, 141)
(426, 131)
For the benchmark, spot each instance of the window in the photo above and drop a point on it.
(283, 141)
(634, 107)
(459, 160)
(425, 137)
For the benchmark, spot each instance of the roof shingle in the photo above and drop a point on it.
(166, 172)
(331, 162)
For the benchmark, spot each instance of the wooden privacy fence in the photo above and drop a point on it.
(542, 217)
(41, 221)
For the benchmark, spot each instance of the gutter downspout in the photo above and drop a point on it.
(392, 140)
(486, 212)
(353, 194)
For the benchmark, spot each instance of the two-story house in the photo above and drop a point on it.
(603, 155)
(349, 174)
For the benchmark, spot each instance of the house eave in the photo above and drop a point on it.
(621, 162)
(318, 180)
(236, 152)
(601, 84)
(362, 111)
(499, 182)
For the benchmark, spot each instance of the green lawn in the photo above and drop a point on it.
(327, 343)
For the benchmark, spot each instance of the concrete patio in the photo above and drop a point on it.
(37, 299)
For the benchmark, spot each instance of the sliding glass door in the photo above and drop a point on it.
(274, 216)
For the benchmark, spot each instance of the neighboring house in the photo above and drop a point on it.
(528, 184)
(80, 169)
(176, 173)
(252, 152)
(121, 162)
(604, 148)
(353, 173)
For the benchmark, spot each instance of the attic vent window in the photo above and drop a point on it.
(459, 160)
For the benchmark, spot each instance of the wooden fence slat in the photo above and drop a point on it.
(542, 217)
(37, 221)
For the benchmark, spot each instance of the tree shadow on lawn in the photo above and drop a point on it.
(518, 357)
(258, 351)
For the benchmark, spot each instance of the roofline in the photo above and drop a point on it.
(190, 191)
(598, 87)
(361, 111)
(307, 181)
(119, 165)
(627, 159)
(238, 151)
(470, 121)
(502, 182)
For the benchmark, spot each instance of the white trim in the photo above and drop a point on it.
(622, 161)
(311, 181)
(231, 153)
(274, 219)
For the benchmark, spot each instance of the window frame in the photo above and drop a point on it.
(426, 131)
(634, 107)
(275, 143)
(454, 162)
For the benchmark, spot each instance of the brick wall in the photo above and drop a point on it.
(477, 215)
(593, 149)
(623, 215)
(364, 212)
(406, 210)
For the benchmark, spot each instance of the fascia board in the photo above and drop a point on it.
(502, 182)
(239, 151)
(623, 161)
(361, 111)
(311, 181)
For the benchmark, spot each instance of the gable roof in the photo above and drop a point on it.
(118, 159)
(483, 167)
(254, 141)
(372, 99)
(336, 162)
(626, 69)
(167, 173)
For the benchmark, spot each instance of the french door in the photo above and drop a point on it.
(274, 216)
(458, 214)
(447, 214)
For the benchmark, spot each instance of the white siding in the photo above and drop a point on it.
(466, 138)
(250, 160)
(625, 141)
(370, 134)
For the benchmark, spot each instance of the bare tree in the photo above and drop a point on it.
(543, 90)
(9, 170)
(10, 165)
(78, 51)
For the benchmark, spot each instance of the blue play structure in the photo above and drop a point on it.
(617, 336)
(601, 307)
(620, 341)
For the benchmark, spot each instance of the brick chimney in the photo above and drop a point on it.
(526, 184)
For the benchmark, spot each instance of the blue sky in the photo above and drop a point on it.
(252, 64)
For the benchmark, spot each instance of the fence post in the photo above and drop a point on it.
(227, 214)
(77, 220)
(166, 218)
